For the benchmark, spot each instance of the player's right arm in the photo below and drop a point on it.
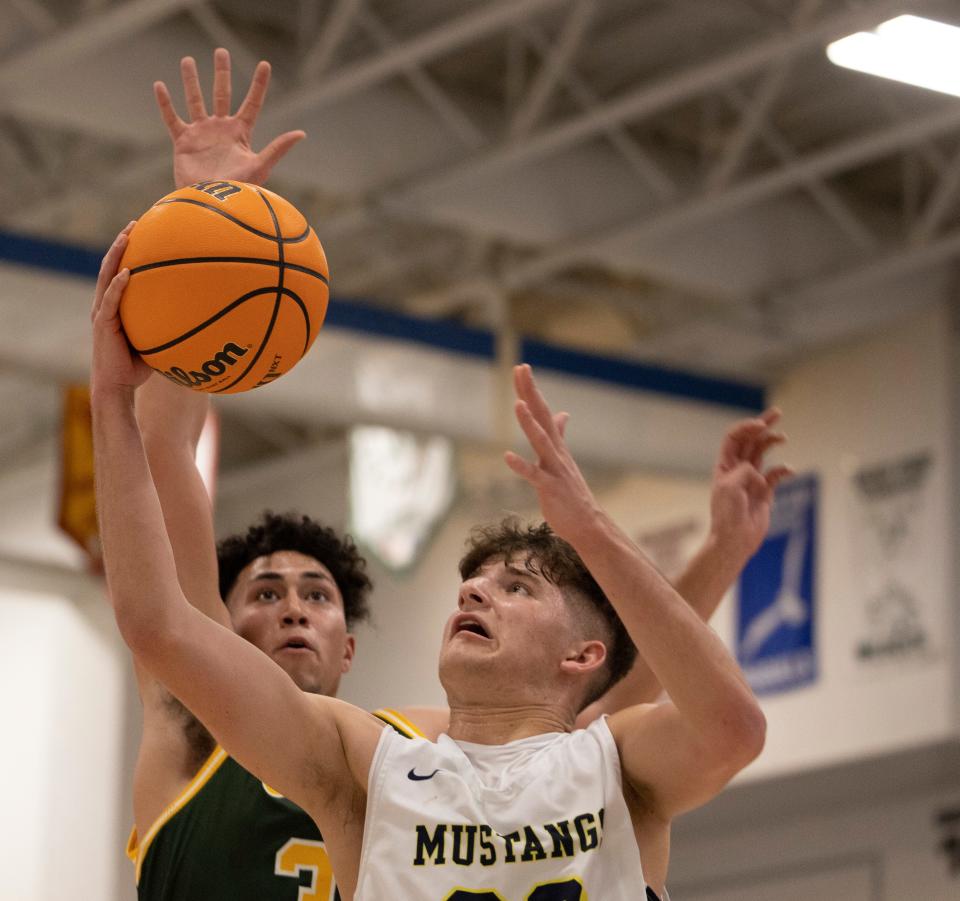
(313, 749)
(674, 756)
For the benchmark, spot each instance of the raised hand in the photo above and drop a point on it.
(115, 364)
(218, 146)
(565, 499)
(742, 492)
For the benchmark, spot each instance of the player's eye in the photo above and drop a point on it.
(518, 588)
(316, 596)
(267, 594)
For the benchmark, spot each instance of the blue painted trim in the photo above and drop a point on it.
(51, 255)
(642, 376)
(357, 316)
(363, 317)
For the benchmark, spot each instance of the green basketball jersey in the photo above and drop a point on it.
(230, 837)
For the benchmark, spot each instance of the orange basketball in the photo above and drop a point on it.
(228, 286)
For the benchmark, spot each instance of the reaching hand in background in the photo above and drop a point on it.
(742, 495)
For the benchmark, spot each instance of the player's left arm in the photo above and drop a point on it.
(218, 145)
(312, 748)
(739, 519)
(713, 726)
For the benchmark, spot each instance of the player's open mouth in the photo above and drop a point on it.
(295, 645)
(470, 626)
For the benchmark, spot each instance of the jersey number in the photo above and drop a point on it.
(568, 890)
(303, 854)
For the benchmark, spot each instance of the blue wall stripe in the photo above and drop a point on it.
(642, 376)
(50, 255)
(358, 316)
(362, 317)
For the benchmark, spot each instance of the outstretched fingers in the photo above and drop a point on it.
(521, 467)
(537, 436)
(175, 125)
(734, 441)
(527, 391)
(278, 148)
(221, 82)
(762, 444)
(777, 474)
(560, 420)
(256, 94)
(191, 88)
(749, 439)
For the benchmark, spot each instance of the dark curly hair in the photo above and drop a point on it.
(293, 532)
(547, 554)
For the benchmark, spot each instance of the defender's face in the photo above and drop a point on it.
(288, 605)
(511, 631)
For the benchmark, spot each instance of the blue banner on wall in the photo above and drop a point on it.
(776, 613)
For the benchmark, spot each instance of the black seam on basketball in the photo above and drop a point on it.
(261, 261)
(281, 289)
(278, 239)
(302, 237)
(256, 356)
(235, 220)
(218, 315)
(307, 271)
(306, 317)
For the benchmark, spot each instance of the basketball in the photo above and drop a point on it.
(228, 286)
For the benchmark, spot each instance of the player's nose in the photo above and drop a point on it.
(472, 594)
(294, 610)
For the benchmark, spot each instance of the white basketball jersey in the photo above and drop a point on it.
(539, 819)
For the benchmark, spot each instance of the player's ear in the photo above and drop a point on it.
(349, 649)
(584, 657)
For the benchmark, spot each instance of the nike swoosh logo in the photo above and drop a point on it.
(412, 775)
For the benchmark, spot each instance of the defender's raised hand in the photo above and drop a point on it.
(742, 490)
(218, 146)
(115, 364)
(565, 498)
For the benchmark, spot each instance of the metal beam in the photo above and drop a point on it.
(892, 263)
(86, 37)
(571, 36)
(637, 158)
(826, 198)
(335, 29)
(698, 208)
(459, 123)
(755, 114)
(36, 15)
(940, 202)
(445, 37)
(649, 99)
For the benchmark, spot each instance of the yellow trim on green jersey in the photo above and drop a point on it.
(399, 722)
(136, 850)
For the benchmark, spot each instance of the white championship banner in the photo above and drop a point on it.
(892, 545)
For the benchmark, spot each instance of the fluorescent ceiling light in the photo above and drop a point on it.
(917, 51)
